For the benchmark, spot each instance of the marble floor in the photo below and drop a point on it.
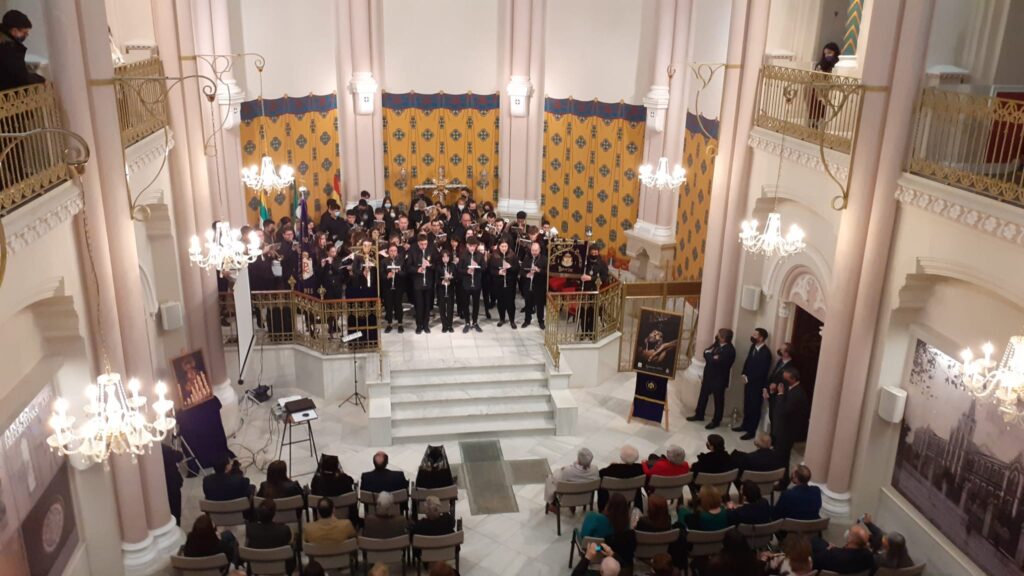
(498, 544)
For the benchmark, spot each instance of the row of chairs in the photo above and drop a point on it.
(342, 556)
(581, 494)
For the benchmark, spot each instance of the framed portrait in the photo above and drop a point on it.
(192, 379)
(657, 342)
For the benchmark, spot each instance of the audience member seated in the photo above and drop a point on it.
(801, 501)
(673, 463)
(737, 558)
(753, 508)
(716, 460)
(380, 479)
(628, 467)
(608, 567)
(327, 529)
(265, 533)
(330, 480)
(313, 569)
(661, 565)
(203, 541)
(763, 459)
(795, 559)
(851, 558)
(442, 569)
(437, 520)
(706, 512)
(384, 523)
(890, 548)
(227, 481)
(657, 518)
(379, 569)
(278, 484)
(434, 470)
(600, 524)
(579, 471)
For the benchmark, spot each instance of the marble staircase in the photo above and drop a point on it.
(472, 397)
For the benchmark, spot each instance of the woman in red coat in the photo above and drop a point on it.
(673, 463)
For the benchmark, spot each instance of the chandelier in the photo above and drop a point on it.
(224, 249)
(115, 422)
(265, 177)
(662, 179)
(1002, 383)
(770, 241)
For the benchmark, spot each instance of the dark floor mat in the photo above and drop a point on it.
(487, 478)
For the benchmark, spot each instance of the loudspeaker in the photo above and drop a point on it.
(750, 299)
(892, 403)
(171, 316)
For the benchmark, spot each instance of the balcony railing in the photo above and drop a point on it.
(578, 317)
(970, 141)
(811, 106)
(141, 105)
(287, 317)
(34, 163)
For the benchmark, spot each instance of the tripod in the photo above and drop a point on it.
(355, 397)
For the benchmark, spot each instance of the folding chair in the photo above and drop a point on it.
(572, 495)
(201, 566)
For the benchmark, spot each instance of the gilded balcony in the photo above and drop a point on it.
(36, 163)
(141, 99)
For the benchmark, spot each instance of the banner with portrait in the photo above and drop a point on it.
(657, 342)
(192, 380)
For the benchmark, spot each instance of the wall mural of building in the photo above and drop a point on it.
(960, 465)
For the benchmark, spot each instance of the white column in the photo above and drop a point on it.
(515, 178)
(535, 130)
(675, 122)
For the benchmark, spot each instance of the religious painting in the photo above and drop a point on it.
(960, 464)
(657, 342)
(192, 379)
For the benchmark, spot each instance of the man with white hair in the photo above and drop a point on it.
(628, 467)
(579, 471)
(609, 565)
(384, 522)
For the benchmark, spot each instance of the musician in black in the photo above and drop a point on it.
(419, 267)
(445, 275)
(392, 285)
(534, 273)
(595, 274)
(504, 273)
(471, 264)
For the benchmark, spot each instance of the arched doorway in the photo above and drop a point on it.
(802, 312)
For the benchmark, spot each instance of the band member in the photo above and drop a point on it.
(445, 290)
(419, 267)
(471, 273)
(392, 282)
(363, 282)
(595, 273)
(289, 258)
(534, 272)
(504, 272)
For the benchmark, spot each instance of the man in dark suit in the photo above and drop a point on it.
(753, 508)
(756, 370)
(629, 467)
(227, 481)
(419, 268)
(716, 460)
(785, 358)
(380, 479)
(802, 501)
(265, 533)
(718, 360)
(854, 557)
(763, 459)
(792, 413)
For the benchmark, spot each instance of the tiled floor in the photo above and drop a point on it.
(516, 543)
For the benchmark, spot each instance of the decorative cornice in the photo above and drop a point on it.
(802, 153)
(150, 149)
(949, 208)
(27, 231)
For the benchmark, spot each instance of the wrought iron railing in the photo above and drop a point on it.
(811, 106)
(34, 163)
(142, 105)
(680, 297)
(289, 317)
(579, 317)
(970, 141)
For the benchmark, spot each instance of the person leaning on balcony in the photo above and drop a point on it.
(13, 33)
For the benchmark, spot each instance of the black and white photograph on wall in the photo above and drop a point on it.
(960, 464)
(657, 342)
(192, 379)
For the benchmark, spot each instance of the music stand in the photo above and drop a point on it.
(355, 397)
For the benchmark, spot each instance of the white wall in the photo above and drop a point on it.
(131, 22)
(793, 27)
(298, 40)
(950, 29)
(441, 45)
(1009, 70)
(709, 43)
(600, 49)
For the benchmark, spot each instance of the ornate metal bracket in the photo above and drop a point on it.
(705, 72)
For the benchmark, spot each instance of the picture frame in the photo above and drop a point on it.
(656, 347)
(191, 379)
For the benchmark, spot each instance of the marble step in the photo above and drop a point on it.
(463, 412)
(486, 427)
(432, 366)
(510, 376)
(461, 393)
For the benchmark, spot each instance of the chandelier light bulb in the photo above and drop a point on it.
(661, 178)
(1001, 382)
(224, 250)
(770, 241)
(266, 178)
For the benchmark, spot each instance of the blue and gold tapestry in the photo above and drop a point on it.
(699, 149)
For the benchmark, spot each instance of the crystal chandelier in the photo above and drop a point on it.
(265, 177)
(1002, 383)
(662, 179)
(224, 249)
(115, 422)
(770, 241)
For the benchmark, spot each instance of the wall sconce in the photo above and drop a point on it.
(364, 91)
(519, 89)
